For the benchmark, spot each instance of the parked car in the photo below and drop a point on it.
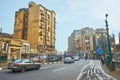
(23, 65)
(54, 59)
(68, 60)
(36, 59)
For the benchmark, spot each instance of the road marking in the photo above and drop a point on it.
(81, 72)
(46, 67)
(59, 69)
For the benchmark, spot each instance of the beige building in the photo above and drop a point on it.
(37, 25)
(21, 24)
(81, 40)
(13, 49)
(101, 37)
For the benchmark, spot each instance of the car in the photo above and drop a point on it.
(68, 60)
(23, 65)
(76, 58)
(36, 59)
(54, 59)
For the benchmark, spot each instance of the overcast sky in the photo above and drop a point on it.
(70, 15)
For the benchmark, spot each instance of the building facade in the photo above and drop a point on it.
(81, 40)
(37, 25)
(21, 24)
(13, 49)
(100, 38)
(73, 42)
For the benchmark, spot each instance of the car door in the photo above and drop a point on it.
(32, 64)
(27, 64)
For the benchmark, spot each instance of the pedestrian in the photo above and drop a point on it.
(13, 59)
(102, 60)
(86, 56)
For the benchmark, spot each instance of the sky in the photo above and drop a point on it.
(70, 15)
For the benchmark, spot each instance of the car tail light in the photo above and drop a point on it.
(16, 65)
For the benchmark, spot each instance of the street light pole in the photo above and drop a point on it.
(109, 46)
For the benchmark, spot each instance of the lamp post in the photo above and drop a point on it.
(109, 46)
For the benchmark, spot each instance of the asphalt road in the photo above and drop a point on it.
(80, 70)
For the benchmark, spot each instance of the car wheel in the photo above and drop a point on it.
(23, 70)
(13, 70)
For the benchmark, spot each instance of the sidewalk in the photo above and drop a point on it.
(3, 66)
(115, 74)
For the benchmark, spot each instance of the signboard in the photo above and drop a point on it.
(33, 51)
(99, 51)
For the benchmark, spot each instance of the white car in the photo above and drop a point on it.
(76, 58)
(68, 60)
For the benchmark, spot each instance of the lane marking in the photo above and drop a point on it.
(59, 69)
(46, 67)
(81, 72)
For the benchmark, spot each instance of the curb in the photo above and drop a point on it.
(0, 69)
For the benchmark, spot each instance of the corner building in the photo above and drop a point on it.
(37, 25)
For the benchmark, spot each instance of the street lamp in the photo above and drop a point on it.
(109, 46)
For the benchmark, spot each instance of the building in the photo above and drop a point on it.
(81, 40)
(37, 25)
(73, 42)
(21, 24)
(100, 38)
(87, 39)
(13, 49)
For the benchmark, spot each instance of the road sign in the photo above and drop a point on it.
(99, 51)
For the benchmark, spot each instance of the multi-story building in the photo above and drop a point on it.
(81, 40)
(73, 42)
(21, 24)
(100, 38)
(37, 25)
(87, 39)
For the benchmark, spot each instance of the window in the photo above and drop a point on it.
(26, 61)
(18, 61)
(40, 33)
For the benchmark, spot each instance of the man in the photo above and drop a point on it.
(102, 60)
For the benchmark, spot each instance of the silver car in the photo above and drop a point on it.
(68, 60)
(23, 65)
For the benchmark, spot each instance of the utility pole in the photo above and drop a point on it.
(109, 46)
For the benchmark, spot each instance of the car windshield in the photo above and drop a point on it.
(68, 58)
(18, 61)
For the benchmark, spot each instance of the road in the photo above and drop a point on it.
(80, 70)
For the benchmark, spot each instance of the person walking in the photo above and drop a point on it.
(102, 60)
(86, 56)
